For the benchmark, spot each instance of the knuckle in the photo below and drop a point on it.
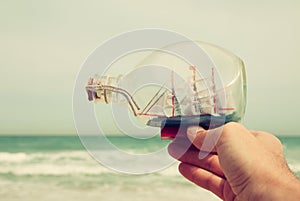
(210, 163)
(274, 140)
(232, 125)
(228, 130)
(278, 143)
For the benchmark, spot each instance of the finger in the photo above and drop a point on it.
(204, 140)
(191, 156)
(203, 178)
(184, 144)
(228, 193)
(209, 140)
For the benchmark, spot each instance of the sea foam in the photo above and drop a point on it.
(57, 163)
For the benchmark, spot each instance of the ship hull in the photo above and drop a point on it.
(172, 127)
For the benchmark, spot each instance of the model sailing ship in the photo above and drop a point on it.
(200, 107)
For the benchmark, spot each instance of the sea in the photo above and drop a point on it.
(48, 168)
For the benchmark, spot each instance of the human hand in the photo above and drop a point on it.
(242, 165)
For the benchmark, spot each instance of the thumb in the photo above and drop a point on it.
(204, 140)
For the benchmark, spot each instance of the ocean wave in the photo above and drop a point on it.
(7, 157)
(62, 163)
(71, 163)
(295, 167)
(59, 163)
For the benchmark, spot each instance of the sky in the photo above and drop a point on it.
(44, 44)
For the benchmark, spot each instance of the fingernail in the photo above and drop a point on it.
(192, 132)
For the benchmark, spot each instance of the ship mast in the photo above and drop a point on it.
(214, 89)
(193, 69)
(173, 93)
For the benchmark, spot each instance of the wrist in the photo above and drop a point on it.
(283, 188)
